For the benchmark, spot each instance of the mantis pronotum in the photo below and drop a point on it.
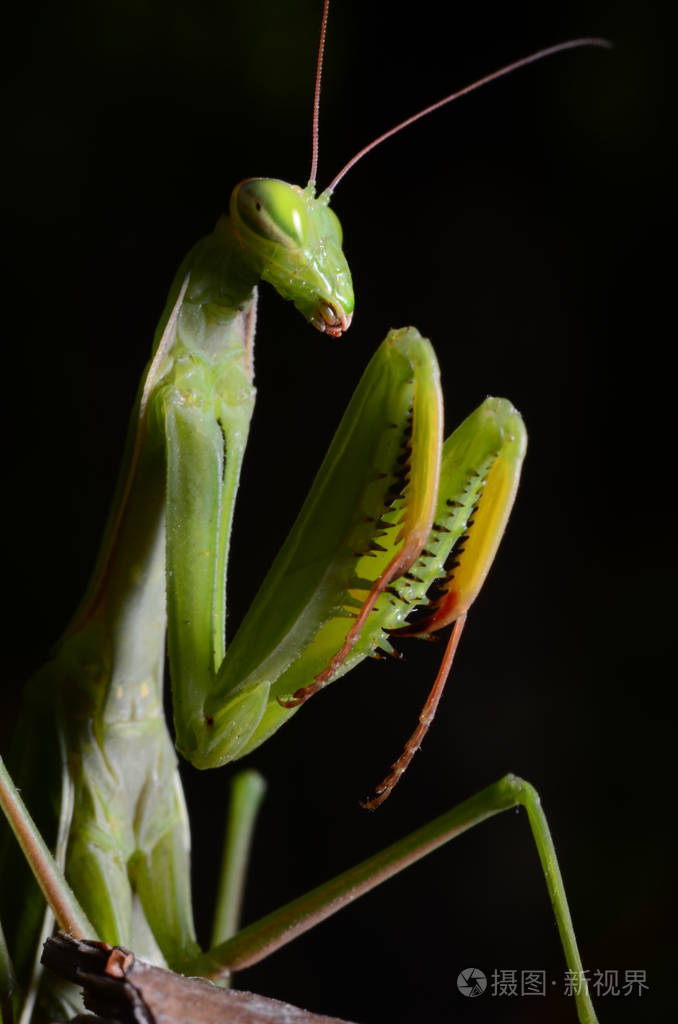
(391, 455)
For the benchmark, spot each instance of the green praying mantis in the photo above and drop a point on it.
(393, 512)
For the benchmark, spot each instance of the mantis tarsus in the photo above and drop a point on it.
(178, 944)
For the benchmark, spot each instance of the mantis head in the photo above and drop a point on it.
(293, 241)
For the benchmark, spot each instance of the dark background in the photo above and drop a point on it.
(518, 230)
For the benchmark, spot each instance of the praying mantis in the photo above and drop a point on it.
(184, 953)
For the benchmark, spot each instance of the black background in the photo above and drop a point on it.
(518, 230)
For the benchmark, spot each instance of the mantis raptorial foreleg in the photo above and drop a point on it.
(393, 512)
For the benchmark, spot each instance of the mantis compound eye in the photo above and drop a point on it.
(274, 211)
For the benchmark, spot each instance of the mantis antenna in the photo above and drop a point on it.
(316, 93)
(532, 58)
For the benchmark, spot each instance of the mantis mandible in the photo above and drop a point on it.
(392, 511)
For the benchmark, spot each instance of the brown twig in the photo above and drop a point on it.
(120, 989)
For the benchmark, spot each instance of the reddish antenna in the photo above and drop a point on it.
(506, 70)
(316, 93)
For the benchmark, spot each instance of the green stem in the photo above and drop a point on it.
(263, 937)
(247, 791)
(69, 914)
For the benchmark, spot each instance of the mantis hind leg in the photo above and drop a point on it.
(264, 937)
